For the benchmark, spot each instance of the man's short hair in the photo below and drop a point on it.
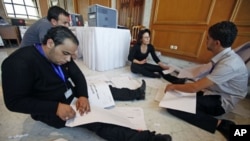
(55, 11)
(225, 32)
(58, 34)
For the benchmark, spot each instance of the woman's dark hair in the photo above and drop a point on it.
(58, 34)
(140, 34)
(225, 32)
(55, 11)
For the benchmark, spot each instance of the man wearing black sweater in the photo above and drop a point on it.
(41, 80)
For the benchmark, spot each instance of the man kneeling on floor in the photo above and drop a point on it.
(35, 81)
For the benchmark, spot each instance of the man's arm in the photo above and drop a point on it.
(78, 79)
(191, 87)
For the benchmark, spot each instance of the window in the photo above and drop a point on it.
(25, 9)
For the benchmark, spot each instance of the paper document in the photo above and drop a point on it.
(100, 95)
(195, 72)
(118, 82)
(160, 92)
(179, 101)
(125, 82)
(131, 117)
(96, 79)
(171, 69)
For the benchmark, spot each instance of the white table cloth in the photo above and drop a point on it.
(103, 48)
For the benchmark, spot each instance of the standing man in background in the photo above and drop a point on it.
(35, 33)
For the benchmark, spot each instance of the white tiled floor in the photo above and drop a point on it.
(14, 124)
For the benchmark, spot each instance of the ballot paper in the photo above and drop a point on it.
(131, 117)
(194, 72)
(100, 95)
(174, 70)
(178, 100)
(99, 91)
(160, 91)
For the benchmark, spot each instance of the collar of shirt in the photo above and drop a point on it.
(217, 57)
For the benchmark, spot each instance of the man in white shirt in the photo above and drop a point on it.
(222, 88)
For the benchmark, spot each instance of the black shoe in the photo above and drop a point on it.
(143, 86)
(142, 91)
(157, 76)
(162, 137)
(224, 127)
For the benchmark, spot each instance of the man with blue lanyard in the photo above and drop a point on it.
(41, 80)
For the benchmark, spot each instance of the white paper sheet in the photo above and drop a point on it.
(170, 70)
(125, 82)
(100, 95)
(118, 82)
(160, 92)
(194, 72)
(96, 79)
(131, 117)
(153, 82)
(179, 101)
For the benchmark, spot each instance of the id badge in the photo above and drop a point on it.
(68, 93)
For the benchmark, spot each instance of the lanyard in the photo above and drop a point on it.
(58, 71)
(56, 68)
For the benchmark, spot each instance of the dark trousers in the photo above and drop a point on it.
(207, 107)
(117, 133)
(146, 69)
(125, 94)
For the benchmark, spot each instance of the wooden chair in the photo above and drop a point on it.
(134, 33)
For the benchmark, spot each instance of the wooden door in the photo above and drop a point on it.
(106, 3)
(179, 27)
(130, 12)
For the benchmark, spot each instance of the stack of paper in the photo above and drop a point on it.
(101, 101)
(194, 72)
(100, 95)
(179, 101)
(131, 117)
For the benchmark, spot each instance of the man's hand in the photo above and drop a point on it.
(82, 105)
(169, 87)
(65, 111)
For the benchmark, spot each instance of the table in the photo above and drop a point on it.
(9, 32)
(103, 48)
